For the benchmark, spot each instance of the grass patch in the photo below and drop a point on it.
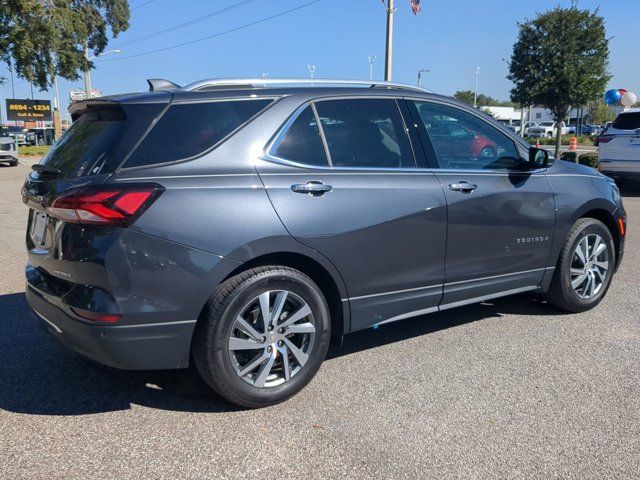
(33, 150)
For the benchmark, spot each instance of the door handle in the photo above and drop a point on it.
(464, 187)
(312, 188)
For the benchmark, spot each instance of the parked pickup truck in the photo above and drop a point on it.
(547, 129)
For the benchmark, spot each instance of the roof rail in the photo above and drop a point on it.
(264, 82)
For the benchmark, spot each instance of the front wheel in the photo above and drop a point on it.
(263, 337)
(585, 268)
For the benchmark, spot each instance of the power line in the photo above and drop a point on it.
(142, 5)
(185, 24)
(242, 27)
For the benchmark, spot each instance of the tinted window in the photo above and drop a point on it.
(302, 142)
(365, 133)
(86, 143)
(188, 130)
(462, 140)
(627, 121)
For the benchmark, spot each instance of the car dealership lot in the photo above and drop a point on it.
(511, 388)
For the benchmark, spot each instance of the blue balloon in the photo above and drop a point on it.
(612, 97)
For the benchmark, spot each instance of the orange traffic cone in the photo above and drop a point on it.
(573, 144)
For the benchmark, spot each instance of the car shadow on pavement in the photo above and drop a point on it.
(630, 189)
(38, 376)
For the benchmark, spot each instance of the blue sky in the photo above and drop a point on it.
(449, 37)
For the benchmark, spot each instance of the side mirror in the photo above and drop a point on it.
(539, 158)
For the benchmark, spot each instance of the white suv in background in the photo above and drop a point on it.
(620, 146)
(8, 148)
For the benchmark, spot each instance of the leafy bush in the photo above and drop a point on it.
(569, 157)
(590, 160)
(565, 140)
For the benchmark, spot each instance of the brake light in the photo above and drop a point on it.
(605, 139)
(109, 205)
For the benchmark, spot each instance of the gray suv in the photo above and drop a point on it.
(241, 224)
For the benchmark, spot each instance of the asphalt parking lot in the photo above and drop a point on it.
(507, 389)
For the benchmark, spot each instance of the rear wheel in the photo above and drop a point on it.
(263, 337)
(584, 271)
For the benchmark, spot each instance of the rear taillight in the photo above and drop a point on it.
(109, 205)
(605, 139)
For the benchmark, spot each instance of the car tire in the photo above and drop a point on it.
(578, 286)
(488, 152)
(232, 335)
(549, 135)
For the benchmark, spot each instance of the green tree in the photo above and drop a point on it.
(600, 113)
(466, 96)
(42, 38)
(560, 59)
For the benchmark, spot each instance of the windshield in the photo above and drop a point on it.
(3, 132)
(546, 124)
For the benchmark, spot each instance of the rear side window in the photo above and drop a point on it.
(87, 142)
(365, 133)
(187, 130)
(627, 121)
(302, 142)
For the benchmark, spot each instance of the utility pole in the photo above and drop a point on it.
(372, 59)
(475, 93)
(87, 72)
(389, 52)
(13, 88)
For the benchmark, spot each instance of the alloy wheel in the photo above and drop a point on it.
(589, 266)
(271, 338)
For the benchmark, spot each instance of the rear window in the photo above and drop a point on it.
(627, 121)
(85, 145)
(187, 130)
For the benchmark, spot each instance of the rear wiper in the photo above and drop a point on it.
(45, 169)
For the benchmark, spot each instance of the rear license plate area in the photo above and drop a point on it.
(635, 141)
(39, 228)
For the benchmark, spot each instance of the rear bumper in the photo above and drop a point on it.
(130, 347)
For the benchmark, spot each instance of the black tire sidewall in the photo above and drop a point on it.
(225, 377)
(571, 296)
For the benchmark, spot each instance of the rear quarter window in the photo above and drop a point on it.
(187, 130)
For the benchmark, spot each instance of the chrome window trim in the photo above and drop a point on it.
(123, 168)
(272, 146)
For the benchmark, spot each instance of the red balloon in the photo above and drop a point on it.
(622, 91)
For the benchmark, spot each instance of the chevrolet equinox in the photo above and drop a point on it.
(240, 224)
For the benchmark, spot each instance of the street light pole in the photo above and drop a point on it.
(420, 72)
(372, 59)
(87, 69)
(475, 94)
(389, 51)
